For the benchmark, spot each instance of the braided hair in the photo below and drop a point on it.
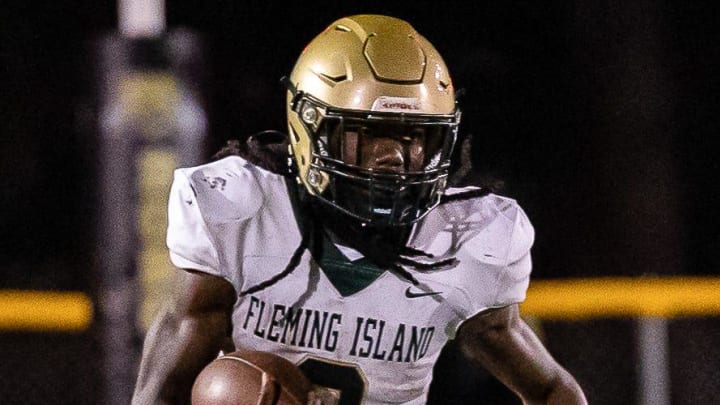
(386, 247)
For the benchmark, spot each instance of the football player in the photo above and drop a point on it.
(355, 261)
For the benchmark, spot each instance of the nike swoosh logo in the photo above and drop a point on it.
(411, 294)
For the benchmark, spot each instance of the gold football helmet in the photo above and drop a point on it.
(363, 77)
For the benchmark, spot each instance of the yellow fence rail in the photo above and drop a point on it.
(45, 311)
(585, 298)
(561, 299)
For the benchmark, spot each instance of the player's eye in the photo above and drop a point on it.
(417, 132)
(365, 131)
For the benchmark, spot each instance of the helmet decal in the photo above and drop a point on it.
(396, 104)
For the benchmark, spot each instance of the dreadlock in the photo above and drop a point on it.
(292, 264)
(311, 240)
(383, 246)
(386, 247)
(266, 149)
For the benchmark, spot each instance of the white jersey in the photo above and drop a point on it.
(377, 341)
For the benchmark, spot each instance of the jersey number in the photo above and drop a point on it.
(345, 378)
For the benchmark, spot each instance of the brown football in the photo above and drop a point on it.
(250, 377)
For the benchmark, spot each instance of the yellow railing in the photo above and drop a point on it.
(45, 311)
(584, 298)
(563, 299)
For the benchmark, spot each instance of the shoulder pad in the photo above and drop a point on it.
(522, 234)
(509, 233)
(491, 229)
(229, 189)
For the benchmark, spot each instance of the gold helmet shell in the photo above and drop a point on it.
(363, 64)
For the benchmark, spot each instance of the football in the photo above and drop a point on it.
(250, 377)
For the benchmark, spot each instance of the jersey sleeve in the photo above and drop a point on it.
(188, 238)
(499, 260)
(514, 278)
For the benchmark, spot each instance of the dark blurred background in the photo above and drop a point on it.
(598, 116)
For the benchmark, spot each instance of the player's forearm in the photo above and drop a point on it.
(565, 391)
(169, 366)
(161, 348)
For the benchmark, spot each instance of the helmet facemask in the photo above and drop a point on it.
(372, 81)
(343, 174)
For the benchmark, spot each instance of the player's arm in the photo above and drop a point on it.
(186, 335)
(500, 341)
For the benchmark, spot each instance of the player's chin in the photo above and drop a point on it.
(372, 193)
(378, 202)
